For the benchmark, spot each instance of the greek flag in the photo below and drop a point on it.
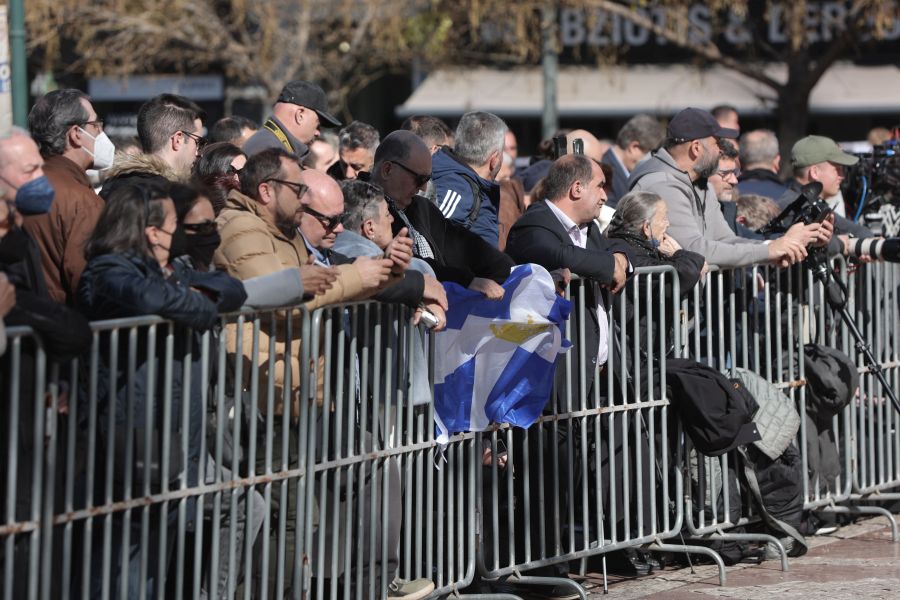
(495, 360)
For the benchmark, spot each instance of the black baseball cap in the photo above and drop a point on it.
(304, 93)
(694, 124)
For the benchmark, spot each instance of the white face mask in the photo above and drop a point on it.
(104, 150)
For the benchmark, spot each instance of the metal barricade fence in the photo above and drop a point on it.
(294, 455)
(111, 488)
(873, 297)
(823, 490)
(594, 473)
(748, 318)
(384, 500)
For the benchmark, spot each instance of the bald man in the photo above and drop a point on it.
(593, 148)
(321, 223)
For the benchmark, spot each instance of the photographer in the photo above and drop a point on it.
(819, 159)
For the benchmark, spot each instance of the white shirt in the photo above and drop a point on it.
(578, 235)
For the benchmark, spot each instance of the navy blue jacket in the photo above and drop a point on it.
(454, 184)
(761, 182)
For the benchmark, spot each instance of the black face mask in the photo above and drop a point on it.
(201, 247)
(178, 247)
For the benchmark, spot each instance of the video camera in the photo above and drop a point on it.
(872, 187)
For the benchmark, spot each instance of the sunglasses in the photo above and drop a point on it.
(198, 139)
(203, 228)
(420, 178)
(297, 187)
(329, 222)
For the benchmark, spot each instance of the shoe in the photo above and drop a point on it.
(561, 592)
(826, 530)
(772, 552)
(410, 590)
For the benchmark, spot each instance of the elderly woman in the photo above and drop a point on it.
(367, 224)
(642, 221)
(129, 274)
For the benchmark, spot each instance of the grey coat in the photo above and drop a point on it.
(695, 219)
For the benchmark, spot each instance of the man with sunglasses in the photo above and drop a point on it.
(259, 231)
(402, 169)
(71, 140)
(320, 226)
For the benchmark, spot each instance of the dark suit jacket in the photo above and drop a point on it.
(539, 237)
(459, 254)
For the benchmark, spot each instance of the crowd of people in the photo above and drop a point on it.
(189, 225)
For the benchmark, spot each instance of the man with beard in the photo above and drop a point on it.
(678, 173)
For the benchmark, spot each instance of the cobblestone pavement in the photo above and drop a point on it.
(858, 561)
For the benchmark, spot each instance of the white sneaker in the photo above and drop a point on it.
(826, 530)
(410, 590)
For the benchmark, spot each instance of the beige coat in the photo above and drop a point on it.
(252, 245)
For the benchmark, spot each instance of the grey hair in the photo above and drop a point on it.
(8, 135)
(361, 203)
(646, 130)
(359, 135)
(51, 117)
(478, 135)
(758, 147)
(632, 211)
(14, 131)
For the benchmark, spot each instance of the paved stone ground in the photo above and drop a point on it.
(857, 561)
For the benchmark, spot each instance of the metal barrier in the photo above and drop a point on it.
(593, 474)
(873, 297)
(109, 478)
(246, 463)
(386, 501)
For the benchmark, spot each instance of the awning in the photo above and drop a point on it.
(623, 90)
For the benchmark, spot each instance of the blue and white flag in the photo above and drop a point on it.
(495, 361)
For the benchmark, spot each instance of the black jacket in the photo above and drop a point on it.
(688, 266)
(538, 237)
(117, 286)
(459, 254)
(120, 286)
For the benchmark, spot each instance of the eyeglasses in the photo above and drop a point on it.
(420, 179)
(726, 172)
(198, 139)
(297, 187)
(202, 228)
(98, 123)
(329, 222)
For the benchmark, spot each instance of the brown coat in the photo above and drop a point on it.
(61, 233)
(252, 245)
(512, 206)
